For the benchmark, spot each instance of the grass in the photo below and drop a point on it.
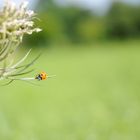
(95, 96)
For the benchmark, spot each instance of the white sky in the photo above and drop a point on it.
(99, 6)
(32, 3)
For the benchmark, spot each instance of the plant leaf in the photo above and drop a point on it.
(18, 74)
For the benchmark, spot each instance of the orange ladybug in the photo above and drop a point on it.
(41, 76)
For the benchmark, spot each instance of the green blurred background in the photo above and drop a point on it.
(96, 92)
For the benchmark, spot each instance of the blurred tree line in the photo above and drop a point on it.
(70, 24)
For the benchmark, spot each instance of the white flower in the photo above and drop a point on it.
(30, 13)
(13, 6)
(37, 30)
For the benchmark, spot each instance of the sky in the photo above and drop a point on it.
(98, 6)
(32, 3)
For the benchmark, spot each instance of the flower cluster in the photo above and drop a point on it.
(16, 21)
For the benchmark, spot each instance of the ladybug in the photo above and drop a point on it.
(41, 76)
